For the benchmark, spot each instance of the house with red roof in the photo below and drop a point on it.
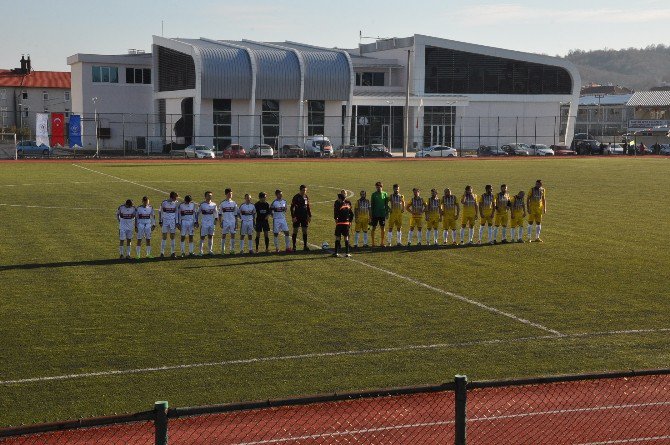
(25, 92)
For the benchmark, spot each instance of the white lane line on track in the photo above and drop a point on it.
(297, 357)
(50, 207)
(633, 440)
(474, 419)
(120, 179)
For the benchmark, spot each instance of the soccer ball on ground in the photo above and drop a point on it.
(325, 245)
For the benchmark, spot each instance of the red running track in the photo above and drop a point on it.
(594, 412)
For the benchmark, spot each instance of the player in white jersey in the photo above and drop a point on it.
(208, 213)
(228, 220)
(167, 218)
(125, 215)
(247, 212)
(186, 223)
(279, 224)
(145, 223)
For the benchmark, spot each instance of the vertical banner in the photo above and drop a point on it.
(74, 131)
(57, 129)
(42, 129)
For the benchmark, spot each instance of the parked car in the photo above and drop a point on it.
(586, 146)
(292, 151)
(30, 148)
(318, 146)
(345, 151)
(562, 150)
(490, 150)
(516, 149)
(261, 151)
(540, 150)
(437, 151)
(234, 151)
(370, 151)
(665, 149)
(614, 149)
(199, 152)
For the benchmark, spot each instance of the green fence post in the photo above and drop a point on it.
(460, 389)
(161, 423)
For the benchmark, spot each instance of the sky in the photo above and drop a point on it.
(52, 30)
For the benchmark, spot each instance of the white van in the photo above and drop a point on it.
(318, 146)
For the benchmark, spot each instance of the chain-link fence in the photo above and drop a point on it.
(597, 409)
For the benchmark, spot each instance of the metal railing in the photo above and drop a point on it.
(622, 407)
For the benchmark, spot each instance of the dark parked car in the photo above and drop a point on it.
(370, 152)
(234, 151)
(588, 147)
(345, 151)
(490, 150)
(292, 151)
(562, 150)
(516, 149)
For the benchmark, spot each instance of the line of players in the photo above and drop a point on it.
(186, 217)
(494, 211)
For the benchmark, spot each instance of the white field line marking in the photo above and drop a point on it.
(121, 179)
(455, 296)
(474, 419)
(327, 354)
(51, 207)
(635, 440)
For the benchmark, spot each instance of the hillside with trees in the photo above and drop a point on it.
(636, 68)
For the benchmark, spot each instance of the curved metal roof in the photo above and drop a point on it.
(226, 70)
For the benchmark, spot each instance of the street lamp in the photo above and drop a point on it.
(95, 118)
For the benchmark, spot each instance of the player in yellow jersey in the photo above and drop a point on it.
(486, 209)
(469, 214)
(397, 203)
(450, 211)
(433, 218)
(362, 208)
(417, 207)
(502, 203)
(537, 206)
(517, 213)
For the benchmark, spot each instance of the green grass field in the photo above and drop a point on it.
(272, 326)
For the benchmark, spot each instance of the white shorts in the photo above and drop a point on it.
(125, 234)
(228, 227)
(279, 226)
(207, 229)
(186, 228)
(169, 226)
(247, 228)
(144, 231)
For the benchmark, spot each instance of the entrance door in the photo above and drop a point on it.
(438, 135)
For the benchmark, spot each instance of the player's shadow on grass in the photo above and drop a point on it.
(422, 248)
(228, 260)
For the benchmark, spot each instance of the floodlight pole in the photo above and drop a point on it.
(405, 144)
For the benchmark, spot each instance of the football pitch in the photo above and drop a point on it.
(85, 334)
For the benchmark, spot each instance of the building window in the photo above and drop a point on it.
(316, 117)
(3, 94)
(438, 126)
(377, 125)
(26, 111)
(138, 75)
(46, 109)
(457, 72)
(67, 96)
(45, 95)
(67, 112)
(222, 123)
(24, 95)
(270, 122)
(370, 79)
(105, 74)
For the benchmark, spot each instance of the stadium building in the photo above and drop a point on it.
(216, 92)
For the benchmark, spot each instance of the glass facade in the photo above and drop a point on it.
(270, 122)
(370, 79)
(316, 117)
(105, 74)
(376, 125)
(438, 126)
(457, 72)
(222, 123)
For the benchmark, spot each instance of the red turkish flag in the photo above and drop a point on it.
(57, 129)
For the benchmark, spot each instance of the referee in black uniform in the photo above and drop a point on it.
(301, 214)
(343, 215)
